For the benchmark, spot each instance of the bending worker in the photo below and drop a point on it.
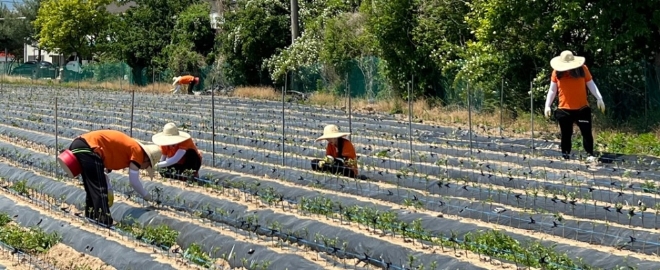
(340, 153)
(98, 153)
(190, 80)
(180, 154)
(569, 81)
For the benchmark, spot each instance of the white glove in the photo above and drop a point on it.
(547, 112)
(329, 158)
(601, 105)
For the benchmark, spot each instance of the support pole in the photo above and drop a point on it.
(350, 110)
(531, 111)
(56, 138)
(213, 124)
(283, 122)
(469, 104)
(132, 110)
(410, 113)
(501, 106)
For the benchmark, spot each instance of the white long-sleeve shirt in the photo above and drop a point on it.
(169, 161)
(552, 92)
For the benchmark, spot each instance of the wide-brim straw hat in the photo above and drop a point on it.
(154, 154)
(566, 61)
(332, 132)
(171, 135)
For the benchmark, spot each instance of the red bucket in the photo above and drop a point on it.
(69, 163)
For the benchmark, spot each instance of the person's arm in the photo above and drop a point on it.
(174, 159)
(552, 93)
(594, 90)
(134, 179)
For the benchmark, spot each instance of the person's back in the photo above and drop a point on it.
(115, 148)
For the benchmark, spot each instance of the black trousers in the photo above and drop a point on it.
(191, 86)
(191, 161)
(337, 167)
(566, 120)
(96, 187)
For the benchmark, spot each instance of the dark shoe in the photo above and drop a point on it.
(566, 156)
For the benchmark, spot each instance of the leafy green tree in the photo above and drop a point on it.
(393, 22)
(17, 27)
(142, 33)
(192, 41)
(68, 26)
(252, 33)
(194, 25)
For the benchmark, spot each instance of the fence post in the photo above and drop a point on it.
(213, 124)
(56, 138)
(501, 106)
(410, 113)
(350, 110)
(283, 96)
(132, 109)
(531, 111)
(469, 104)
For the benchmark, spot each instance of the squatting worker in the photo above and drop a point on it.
(569, 81)
(340, 153)
(180, 154)
(189, 80)
(99, 152)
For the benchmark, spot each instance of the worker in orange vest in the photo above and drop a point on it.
(190, 80)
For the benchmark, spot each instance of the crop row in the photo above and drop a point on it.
(196, 118)
(420, 170)
(554, 199)
(366, 219)
(193, 204)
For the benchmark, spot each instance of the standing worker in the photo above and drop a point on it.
(96, 153)
(180, 154)
(340, 153)
(190, 80)
(569, 81)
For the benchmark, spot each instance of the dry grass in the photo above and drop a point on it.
(117, 85)
(267, 93)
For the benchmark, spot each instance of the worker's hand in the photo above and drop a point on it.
(321, 163)
(547, 112)
(601, 105)
(148, 197)
(339, 160)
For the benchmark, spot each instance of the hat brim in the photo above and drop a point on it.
(152, 154)
(557, 64)
(333, 136)
(161, 139)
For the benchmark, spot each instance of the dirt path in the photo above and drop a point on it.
(101, 233)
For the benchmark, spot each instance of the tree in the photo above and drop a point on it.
(194, 25)
(68, 26)
(392, 22)
(17, 28)
(193, 40)
(253, 32)
(143, 32)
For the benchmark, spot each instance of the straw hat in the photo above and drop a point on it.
(331, 132)
(154, 154)
(170, 135)
(566, 61)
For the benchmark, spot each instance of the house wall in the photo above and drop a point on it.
(31, 53)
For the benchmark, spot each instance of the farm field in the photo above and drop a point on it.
(431, 201)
